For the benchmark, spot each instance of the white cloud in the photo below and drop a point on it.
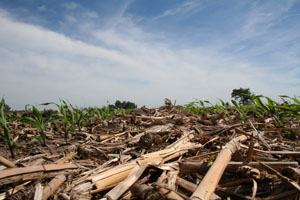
(264, 16)
(40, 65)
(91, 14)
(183, 8)
(70, 19)
(42, 8)
(71, 5)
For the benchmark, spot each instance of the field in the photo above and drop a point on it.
(195, 151)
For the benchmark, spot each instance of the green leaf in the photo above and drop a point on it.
(208, 102)
(29, 120)
(288, 108)
(222, 102)
(6, 136)
(240, 111)
(37, 113)
(284, 96)
(296, 100)
(260, 103)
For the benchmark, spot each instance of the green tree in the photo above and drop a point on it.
(244, 96)
(119, 104)
(123, 105)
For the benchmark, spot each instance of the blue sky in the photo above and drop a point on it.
(97, 51)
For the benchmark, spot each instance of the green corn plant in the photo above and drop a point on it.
(222, 102)
(121, 111)
(260, 104)
(90, 118)
(270, 107)
(80, 116)
(70, 114)
(290, 109)
(202, 106)
(296, 101)
(103, 113)
(279, 116)
(37, 121)
(209, 107)
(6, 135)
(240, 110)
(255, 109)
(222, 108)
(77, 116)
(92, 114)
(197, 106)
(98, 112)
(193, 108)
(180, 107)
(66, 114)
(209, 103)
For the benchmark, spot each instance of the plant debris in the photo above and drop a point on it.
(159, 153)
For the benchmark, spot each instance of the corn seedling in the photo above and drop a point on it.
(6, 135)
(66, 114)
(209, 108)
(240, 110)
(92, 114)
(103, 113)
(121, 111)
(36, 121)
(198, 106)
(90, 118)
(193, 107)
(80, 116)
(270, 107)
(291, 109)
(222, 108)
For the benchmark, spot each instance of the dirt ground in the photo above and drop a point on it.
(160, 153)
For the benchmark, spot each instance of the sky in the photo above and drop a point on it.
(95, 52)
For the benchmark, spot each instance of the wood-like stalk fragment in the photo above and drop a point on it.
(38, 192)
(13, 190)
(112, 176)
(123, 186)
(186, 185)
(191, 187)
(6, 162)
(213, 176)
(66, 158)
(202, 167)
(250, 152)
(193, 167)
(169, 193)
(53, 186)
(28, 173)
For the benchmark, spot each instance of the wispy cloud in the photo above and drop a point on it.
(183, 8)
(91, 14)
(71, 5)
(266, 38)
(41, 8)
(262, 17)
(123, 61)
